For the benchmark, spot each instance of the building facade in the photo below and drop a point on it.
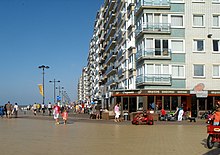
(164, 53)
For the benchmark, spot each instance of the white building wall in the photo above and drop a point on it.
(208, 58)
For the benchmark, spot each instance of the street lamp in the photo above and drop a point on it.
(43, 67)
(54, 89)
(59, 88)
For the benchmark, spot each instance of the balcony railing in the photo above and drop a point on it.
(120, 72)
(153, 53)
(152, 3)
(110, 70)
(120, 54)
(154, 79)
(110, 57)
(153, 28)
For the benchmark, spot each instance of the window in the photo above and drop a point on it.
(177, 1)
(198, 45)
(216, 21)
(216, 71)
(198, 20)
(178, 71)
(177, 46)
(216, 45)
(198, 0)
(160, 45)
(217, 1)
(199, 71)
(176, 20)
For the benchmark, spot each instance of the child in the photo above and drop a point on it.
(65, 116)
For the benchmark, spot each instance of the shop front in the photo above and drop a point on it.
(155, 100)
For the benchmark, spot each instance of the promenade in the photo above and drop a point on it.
(38, 135)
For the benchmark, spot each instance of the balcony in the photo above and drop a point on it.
(110, 32)
(131, 44)
(153, 53)
(154, 79)
(111, 57)
(110, 44)
(161, 28)
(120, 72)
(152, 4)
(110, 20)
(120, 54)
(110, 71)
(111, 82)
(110, 7)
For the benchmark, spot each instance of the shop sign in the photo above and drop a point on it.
(200, 94)
(214, 92)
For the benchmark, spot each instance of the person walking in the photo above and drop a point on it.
(180, 114)
(9, 109)
(65, 116)
(56, 113)
(35, 109)
(1, 111)
(117, 112)
(49, 106)
(43, 108)
(15, 110)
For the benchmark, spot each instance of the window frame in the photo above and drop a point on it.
(183, 41)
(170, 20)
(197, 51)
(218, 76)
(203, 20)
(217, 52)
(184, 71)
(218, 16)
(197, 76)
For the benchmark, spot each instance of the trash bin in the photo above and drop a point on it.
(126, 116)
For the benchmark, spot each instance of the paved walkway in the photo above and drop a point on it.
(40, 136)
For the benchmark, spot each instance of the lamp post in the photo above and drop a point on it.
(54, 89)
(59, 88)
(43, 67)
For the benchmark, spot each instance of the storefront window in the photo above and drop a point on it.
(140, 103)
(166, 102)
(183, 103)
(159, 102)
(210, 103)
(174, 102)
(151, 104)
(201, 104)
(125, 103)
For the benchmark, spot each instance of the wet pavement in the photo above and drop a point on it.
(39, 135)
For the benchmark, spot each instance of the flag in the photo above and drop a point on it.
(41, 89)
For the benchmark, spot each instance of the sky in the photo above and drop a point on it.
(55, 33)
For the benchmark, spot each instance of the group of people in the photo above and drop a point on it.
(8, 110)
(57, 112)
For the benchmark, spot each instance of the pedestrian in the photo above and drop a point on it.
(117, 112)
(49, 106)
(1, 111)
(65, 116)
(15, 110)
(9, 109)
(43, 108)
(180, 114)
(35, 109)
(97, 108)
(56, 113)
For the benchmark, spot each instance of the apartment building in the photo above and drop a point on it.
(161, 52)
